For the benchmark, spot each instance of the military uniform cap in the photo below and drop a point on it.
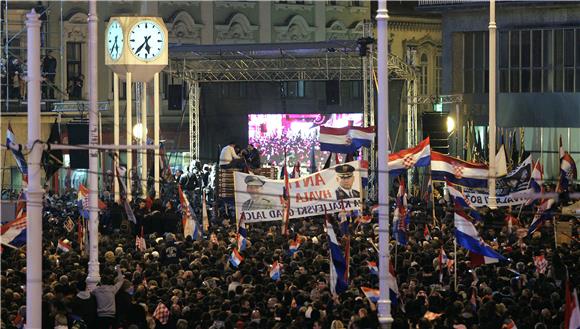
(344, 170)
(253, 180)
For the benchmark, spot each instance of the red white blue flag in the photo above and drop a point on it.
(345, 140)
(467, 236)
(338, 282)
(275, 271)
(418, 156)
(457, 171)
(568, 171)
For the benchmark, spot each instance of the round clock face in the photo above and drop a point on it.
(115, 40)
(146, 40)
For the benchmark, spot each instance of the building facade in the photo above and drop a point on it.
(415, 40)
(538, 72)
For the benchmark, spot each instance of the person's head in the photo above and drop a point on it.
(254, 186)
(345, 176)
(232, 143)
(81, 285)
(250, 147)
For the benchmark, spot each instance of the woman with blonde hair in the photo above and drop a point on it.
(336, 324)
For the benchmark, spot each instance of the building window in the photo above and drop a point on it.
(475, 48)
(73, 59)
(424, 75)
(356, 4)
(539, 60)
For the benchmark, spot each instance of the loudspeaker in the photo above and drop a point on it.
(174, 97)
(78, 133)
(332, 92)
(435, 126)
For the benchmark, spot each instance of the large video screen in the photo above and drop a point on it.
(295, 133)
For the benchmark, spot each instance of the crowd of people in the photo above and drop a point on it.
(298, 148)
(177, 282)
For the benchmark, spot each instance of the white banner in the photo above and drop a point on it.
(259, 199)
(510, 190)
(482, 199)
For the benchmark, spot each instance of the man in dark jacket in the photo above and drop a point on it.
(84, 306)
(170, 219)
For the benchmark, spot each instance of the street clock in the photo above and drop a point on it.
(137, 45)
(114, 40)
(146, 40)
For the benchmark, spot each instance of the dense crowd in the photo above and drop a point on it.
(176, 282)
(298, 148)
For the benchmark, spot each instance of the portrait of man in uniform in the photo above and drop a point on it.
(257, 199)
(345, 177)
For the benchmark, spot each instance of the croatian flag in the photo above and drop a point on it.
(140, 243)
(345, 140)
(373, 295)
(63, 245)
(16, 150)
(418, 156)
(293, 246)
(461, 202)
(457, 171)
(190, 226)
(543, 213)
(536, 180)
(235, 258)
(392, 283)
(476, 260)
(468, 237)
(242, 235)
(401, 215)
(275, 271)
(14, 233)
(337, 262)
(572, 309)
(443, 261)
(541, 264)
(373, 268)
(123, 192)
(568, 171)
(365, 219)
(83, 201)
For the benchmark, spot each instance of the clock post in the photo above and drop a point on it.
(136, 51)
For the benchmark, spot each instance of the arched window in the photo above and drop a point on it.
(424, 76)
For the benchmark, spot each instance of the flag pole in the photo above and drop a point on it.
(35, 192)
(384, 303)
(93, 272)
(432, 196)
(455, 264)
(492, 99)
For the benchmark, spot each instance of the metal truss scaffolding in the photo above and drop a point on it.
(193, 101)
(332, 60)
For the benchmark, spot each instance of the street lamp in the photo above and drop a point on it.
(138, 131)
(450, 124)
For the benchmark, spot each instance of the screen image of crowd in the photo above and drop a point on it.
(177, 282)
(294, 134)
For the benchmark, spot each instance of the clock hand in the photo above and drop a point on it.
(147, 47)
(141, 46)
(115, 46)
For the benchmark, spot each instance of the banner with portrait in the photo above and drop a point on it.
(511, 190)
(259, 199)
